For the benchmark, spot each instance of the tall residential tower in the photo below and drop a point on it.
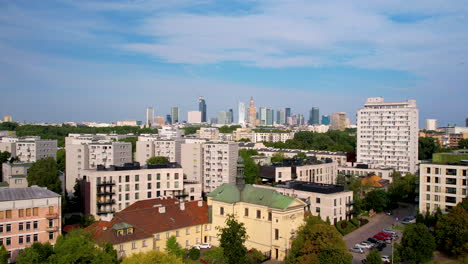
(202, 108)
(241, 113)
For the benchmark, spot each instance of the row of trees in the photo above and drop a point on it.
(429, 146)
(332, 141)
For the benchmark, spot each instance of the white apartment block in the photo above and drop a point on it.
(387, 134)
(325, 173)
(170, 132)
(210, 133)
(385, 173)
(15, 174)
(114, 189)
(29, 149)
(149, 146)
(86, 151)
(272, 137)
(442, 186)
(194, 117)
(192, 160)
(219, 164)
(324, 200)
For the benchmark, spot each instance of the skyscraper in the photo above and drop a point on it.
(466, 122)
(262, 115)
(175, 113)
(202, 108)
(231, 116)
(241, 113)
(149, 116)
(300, 119)
(326, 120)
(281, 117)
(270, 116)
(338, 121)
(287, 111)
(314, 116)
(252, 112)
(168, 119)
(222, 117)
(431, 124)
(387, 134)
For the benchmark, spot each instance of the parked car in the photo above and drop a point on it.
(386, 259)
(372, 240)
(357, 250)
(409, 220)
(388, 212)
(363, 245)
(202, 246)
(379, 237)
(387, 235)
(380, 246)
(389, 231)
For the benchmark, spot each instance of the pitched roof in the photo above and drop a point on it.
(374, 181)
(229, 193)
(33, 192)
(146, 219)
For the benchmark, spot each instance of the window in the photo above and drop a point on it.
(36, 210)
(1, 228)
(428, 170)
(120, 179)
(20, 226)
(317, 200)
(158, 237)
(149, 177)
(187, 231)
(137, 178)
(168, 185)
(134, 245)
(8, 213)
(21, 239)
(451, 172)
(198, 229)
(221, 210)
(149, 186)
(137, 196)
(451, 181)
(276, 234)
(51, 235)
(176, 185)
(143, 243)
(317, 210)
(259, 214)
(168, 176)
(127, 178)
(35, 237)
(28, 239)
(137, 187)
(246, 212)
(127, 197)
(8, 241)
(8, 228)
(428, 188)
(158, 176)
(158, 185)
(167, 235)
(269, 216)
(428, 179)
(428, 197)
(20, 212)
(1, 215)
(121, 248)
(149, 195)
(177, 234)
(127, 187)
(176, 176)
(334, 202)
(51, 222)
(186, 243)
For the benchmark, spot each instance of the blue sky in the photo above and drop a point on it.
(108, 60)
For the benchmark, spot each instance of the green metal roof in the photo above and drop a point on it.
(229, 193)
(120, 226)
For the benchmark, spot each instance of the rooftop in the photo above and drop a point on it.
(312, 187)
(136, 166)
(33, 192)
(458, 157)
(295, 151)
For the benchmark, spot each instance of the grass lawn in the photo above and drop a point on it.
(402, 228)
(365, 214)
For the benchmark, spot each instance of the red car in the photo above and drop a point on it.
(385, 235)
(379, 237)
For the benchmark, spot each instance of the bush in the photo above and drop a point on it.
(345, 227)
(194, 253)
(363, 221)
(254, 256)
(355, 222)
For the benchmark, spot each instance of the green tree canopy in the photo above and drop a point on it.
(251, 169)
(3, 255)
(254, 257)
(376, 200)
(4, 156)
(278, 157)
(417, 244)
(300, 155)
(463, 143)
(194, 253)
(318, 242)
(228, 129)
(173, 248)
(151, 257)
(374, 257)
(190, 130)
(157, 160)
(61, 160)
(232, 238)
(214, 255)
(331, 141)
(37, 253)
(45, 173)
(452, 230)
(427, 147)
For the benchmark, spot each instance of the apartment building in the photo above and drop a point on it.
(295, 169)
(324, 200)
(443, 182)
(339, 121)
(28, 215)
(146, 225)
(15, 174)
(219, 164)
(210, 133)
(338, 157)
(362, 170)
(387, 134)
(116, 188)
(270, 218)
(87, 151)
(170, 132)
(192, 159)
(243, 133)
(29, 149)
(149, 145)
(272, 136)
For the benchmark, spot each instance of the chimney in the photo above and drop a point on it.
(162, 210)
(182, 206)
(200, 203)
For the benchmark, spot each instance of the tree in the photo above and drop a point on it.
(45, 173)
(87, 220)
(278, 157)
(157, 160)
(4, 156)
(37, 253)
(232, 238)
(417, 244)
(254, 256)
(463, 143)
(151, 257)
(173, 248)
(4, 256)
(61, 160)
(451, 230)
(318, 242)
(376, 200)
(214, 255)
(300, 155)
(194, 253)
(251, 169)
(341, 179)
(427, 147)
(374, 257)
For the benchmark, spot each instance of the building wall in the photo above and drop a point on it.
(152, 146)
(441, 186)
(283, 174)
(15, 174)
(385, 174)
(33, 149)
(192, 161)
(319, 173)
(272, 137)
(36, 214)
(210, 133)
(219, 164)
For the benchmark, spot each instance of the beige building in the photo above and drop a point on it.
(29, 149)
(86, 151)
(270, 218)
(194, 117)
(210, 133)
(219, 164)
(15, 174)
(338, 121)
(243, 133)
(443, 185)
(324, 200)
(170, 132)
(192, 159)
(146, 225)
(272, 136)
(149, 146)
(7, 118)
(28, 215)
(387, 134)
(311, 171)
(116, 188)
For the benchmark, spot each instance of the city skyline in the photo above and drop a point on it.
(142, 53)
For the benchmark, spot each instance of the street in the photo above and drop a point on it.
(376, 224)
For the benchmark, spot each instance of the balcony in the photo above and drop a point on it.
(105, 183)
(105, 211)
(52, 229)
(351, 203)
(52, 216)
(105, 193)
(106, 202)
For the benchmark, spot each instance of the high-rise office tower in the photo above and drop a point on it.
(431, 124)
(252, 113)
(387, 134)
(281, 117)
(222, 117)
(202, 108)
(338, 121)
(262, 115)
(287, 111)
(175, 113)
(300, 119)
(326, 120)
(231, 116)
(270, 116)
(241, 113)
(466, 122)
(149, 116)
(168, 119)
(314, 116)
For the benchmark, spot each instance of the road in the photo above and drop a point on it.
(376, 224)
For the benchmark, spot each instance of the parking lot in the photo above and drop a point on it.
(376, 224)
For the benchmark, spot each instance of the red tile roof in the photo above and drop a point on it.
(146, 219)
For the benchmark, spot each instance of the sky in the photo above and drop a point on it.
(105, 61)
